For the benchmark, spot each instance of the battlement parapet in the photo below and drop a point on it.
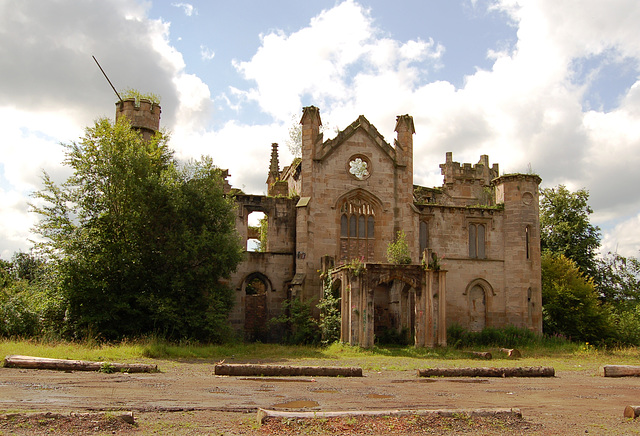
(143, 115)
(454, 172)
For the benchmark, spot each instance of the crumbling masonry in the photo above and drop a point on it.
(474, 242)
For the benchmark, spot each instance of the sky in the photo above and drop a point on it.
(538, 85)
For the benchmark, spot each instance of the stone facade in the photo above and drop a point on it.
(348, 197)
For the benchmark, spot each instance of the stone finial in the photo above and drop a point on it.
(404, 123)
(311, 114)
(274, 167)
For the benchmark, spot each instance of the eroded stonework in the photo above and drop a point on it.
(474, 242)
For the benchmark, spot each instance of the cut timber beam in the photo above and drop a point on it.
(620, 371)
(480, 354)
(279, 370)
(632, 412)
(29, 362)
(512, 353)
(264, 414)
(523, 371)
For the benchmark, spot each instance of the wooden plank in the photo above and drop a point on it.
(30, 362)
(531, 371)
(619, 371)
(280, 370)
(264, 414)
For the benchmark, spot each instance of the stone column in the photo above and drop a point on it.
(429, 340)
(420, 323)
(442, 314)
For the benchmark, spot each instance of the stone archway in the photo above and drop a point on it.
(358, 296)
(479, 293)
(255, 287)
(394, 312)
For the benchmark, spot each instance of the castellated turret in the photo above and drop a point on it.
(143, 116)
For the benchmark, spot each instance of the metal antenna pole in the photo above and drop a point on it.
(105, 76)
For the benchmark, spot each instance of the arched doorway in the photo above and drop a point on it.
(477, 309)
(394, 314)
(479, 295)
(255, 287)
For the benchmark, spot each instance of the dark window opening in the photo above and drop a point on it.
(477, 241)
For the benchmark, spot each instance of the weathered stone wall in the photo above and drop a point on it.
(277, 270)
(145, 116)
(327, 182)
(519, 194)
(492, 279)
(281, 220)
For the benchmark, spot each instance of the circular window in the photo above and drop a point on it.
(359, 167)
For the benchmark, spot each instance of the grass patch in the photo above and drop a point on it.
(570, 356)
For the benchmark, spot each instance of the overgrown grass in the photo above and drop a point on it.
(569, 356)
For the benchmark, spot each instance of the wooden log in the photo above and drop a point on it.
(530, 371)
(619, 371)
(632, 412)
(264, 414)
(280, 370)
(512, 353)
(29, 362)
(480, 354)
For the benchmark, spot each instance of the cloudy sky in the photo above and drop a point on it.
(538, 85)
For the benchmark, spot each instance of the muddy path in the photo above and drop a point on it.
(572, 402)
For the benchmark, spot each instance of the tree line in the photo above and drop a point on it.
(585, 296)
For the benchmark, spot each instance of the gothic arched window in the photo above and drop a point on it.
(357, 230)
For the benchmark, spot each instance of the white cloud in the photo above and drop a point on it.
(526, 111)
(623, 239)
(528, 108)
(318, 61)
(52, 89)
(206, 54)
(188, 9)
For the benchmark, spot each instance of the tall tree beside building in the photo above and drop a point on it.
(140, 243)
(565, 228)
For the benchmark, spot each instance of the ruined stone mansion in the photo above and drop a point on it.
(474, 242)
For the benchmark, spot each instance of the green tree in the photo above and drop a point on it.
(618, 279)
(570, 302)
(565, 227)
(139, 243)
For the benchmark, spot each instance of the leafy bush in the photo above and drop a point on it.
(398, 250)
(300, 327)
(628, 326)
(570, 304)
(330, 319)
(392, 336)
(506, 337)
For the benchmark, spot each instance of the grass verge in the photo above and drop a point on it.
(571, 356)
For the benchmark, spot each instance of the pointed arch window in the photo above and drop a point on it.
(357, 230)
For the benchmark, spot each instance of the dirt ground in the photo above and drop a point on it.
(187, 398)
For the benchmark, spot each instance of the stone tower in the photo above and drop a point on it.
(143, 115)
(523, 287)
